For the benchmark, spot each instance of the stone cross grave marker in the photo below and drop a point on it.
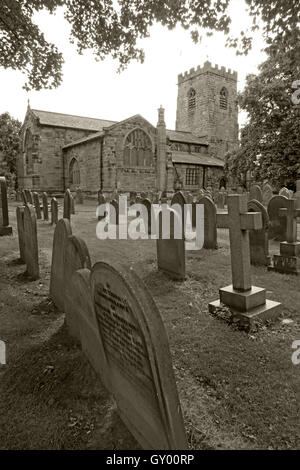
(76, 256)
(277, 226)
(54, 211)
(31, 243)
(138, 358)
(21, 234)
(170, 250)
(37, 205)
(67, 205)
(57, 283)
(288, 261)
(210, 223)
(45, 206)
(5, 228)
(259, 242)
(255, 193)
(245, 301)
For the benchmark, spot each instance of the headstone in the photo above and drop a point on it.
(210, 223)
(148, 206)
(170, 250)
(76, 256)
(180, 200)
(277, 227)
(259, 242)
(267, 194)
(67, 205)
(45, 206)
(79, 196)
(132, 197)
(246, 302)
(37, 205)
(60, 239)
(5, 228)
(115, 204)
(29, 197)
(164, 197)
(21, 234)
(221, 200)
(138, 358)
(72, 205)
(54, 211)
(31, 243)
(288, 261)
(284, 192)
(255, 193)
(24, 197)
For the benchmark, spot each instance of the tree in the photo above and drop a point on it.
(9, 146)
(270, 141)
(113, 27)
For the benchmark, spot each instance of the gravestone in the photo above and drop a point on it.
(132, 197)
(115, 204)
(54, 211)
(67, 205)
(288, 261)
(57, 284)
(170, 250)
(221, 200)
(79, 196)
(255, 193)
(267, 194)
(31, 243)
(246, 302)
(29, 197)
(284, 192)
(163, 197)
(45, 206)
(139, 362)
(76, 256)
(24, 197)
(148, 206)
(259, 242)
(180, 200)
(72, 205)
(37, 205)
(21, 234)
(5, 228)
(210, 223)
(277, 226)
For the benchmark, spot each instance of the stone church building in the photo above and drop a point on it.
(61, 151)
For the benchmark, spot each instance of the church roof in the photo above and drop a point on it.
(185, 137)
(195, 159)
(48, 118)
(94, 136)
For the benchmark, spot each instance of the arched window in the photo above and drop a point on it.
(223, 98)
(74, 172)
(138, 149)
(191, 99)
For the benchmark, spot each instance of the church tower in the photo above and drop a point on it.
(207, 107)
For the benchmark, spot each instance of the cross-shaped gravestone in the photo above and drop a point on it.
(291, 214)
(245, 301)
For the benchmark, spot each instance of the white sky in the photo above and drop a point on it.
(95, 89)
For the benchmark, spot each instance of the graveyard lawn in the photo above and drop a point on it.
(238, 389)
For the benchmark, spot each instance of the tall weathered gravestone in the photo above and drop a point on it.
(259, 241)
(45, 206)
(170, 243)
(288, 260)
(139, 362)
(67, 205)
(72, 205)
(54, 211)
(267, 194)
(246, 302)
(21, 234)
(210, 223)
(148, 207)
(255, 193)
(31, 243)
(37, 205)
(277, 226)
(57, 281)
(179, 200)
(114, 216)
(29, 197)
(5, 228)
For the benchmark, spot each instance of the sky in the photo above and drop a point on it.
(95, 89)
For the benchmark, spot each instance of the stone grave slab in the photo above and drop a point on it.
(31, 243)
(115, 204)
(67, 205)
(210, 223)
(37, 206)
(5, 228)
(278, 223)
(21, 234)
(45, 206)
(267, 194)
(259, 241)
(54, 211)
(255, 193)
(138, 357)
(72, 205)
(148, 206)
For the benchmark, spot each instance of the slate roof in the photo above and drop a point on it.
(185, 137)
(48, 118)
(195, 159)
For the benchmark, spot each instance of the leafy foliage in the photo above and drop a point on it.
(113, 27)
(9, 146)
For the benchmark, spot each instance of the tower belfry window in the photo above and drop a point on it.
(223, 98)
(191, 99)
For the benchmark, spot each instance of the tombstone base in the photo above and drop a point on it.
(285, 264)
(290, 249)
(270, 310)
(4, 231)
(242, 301)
